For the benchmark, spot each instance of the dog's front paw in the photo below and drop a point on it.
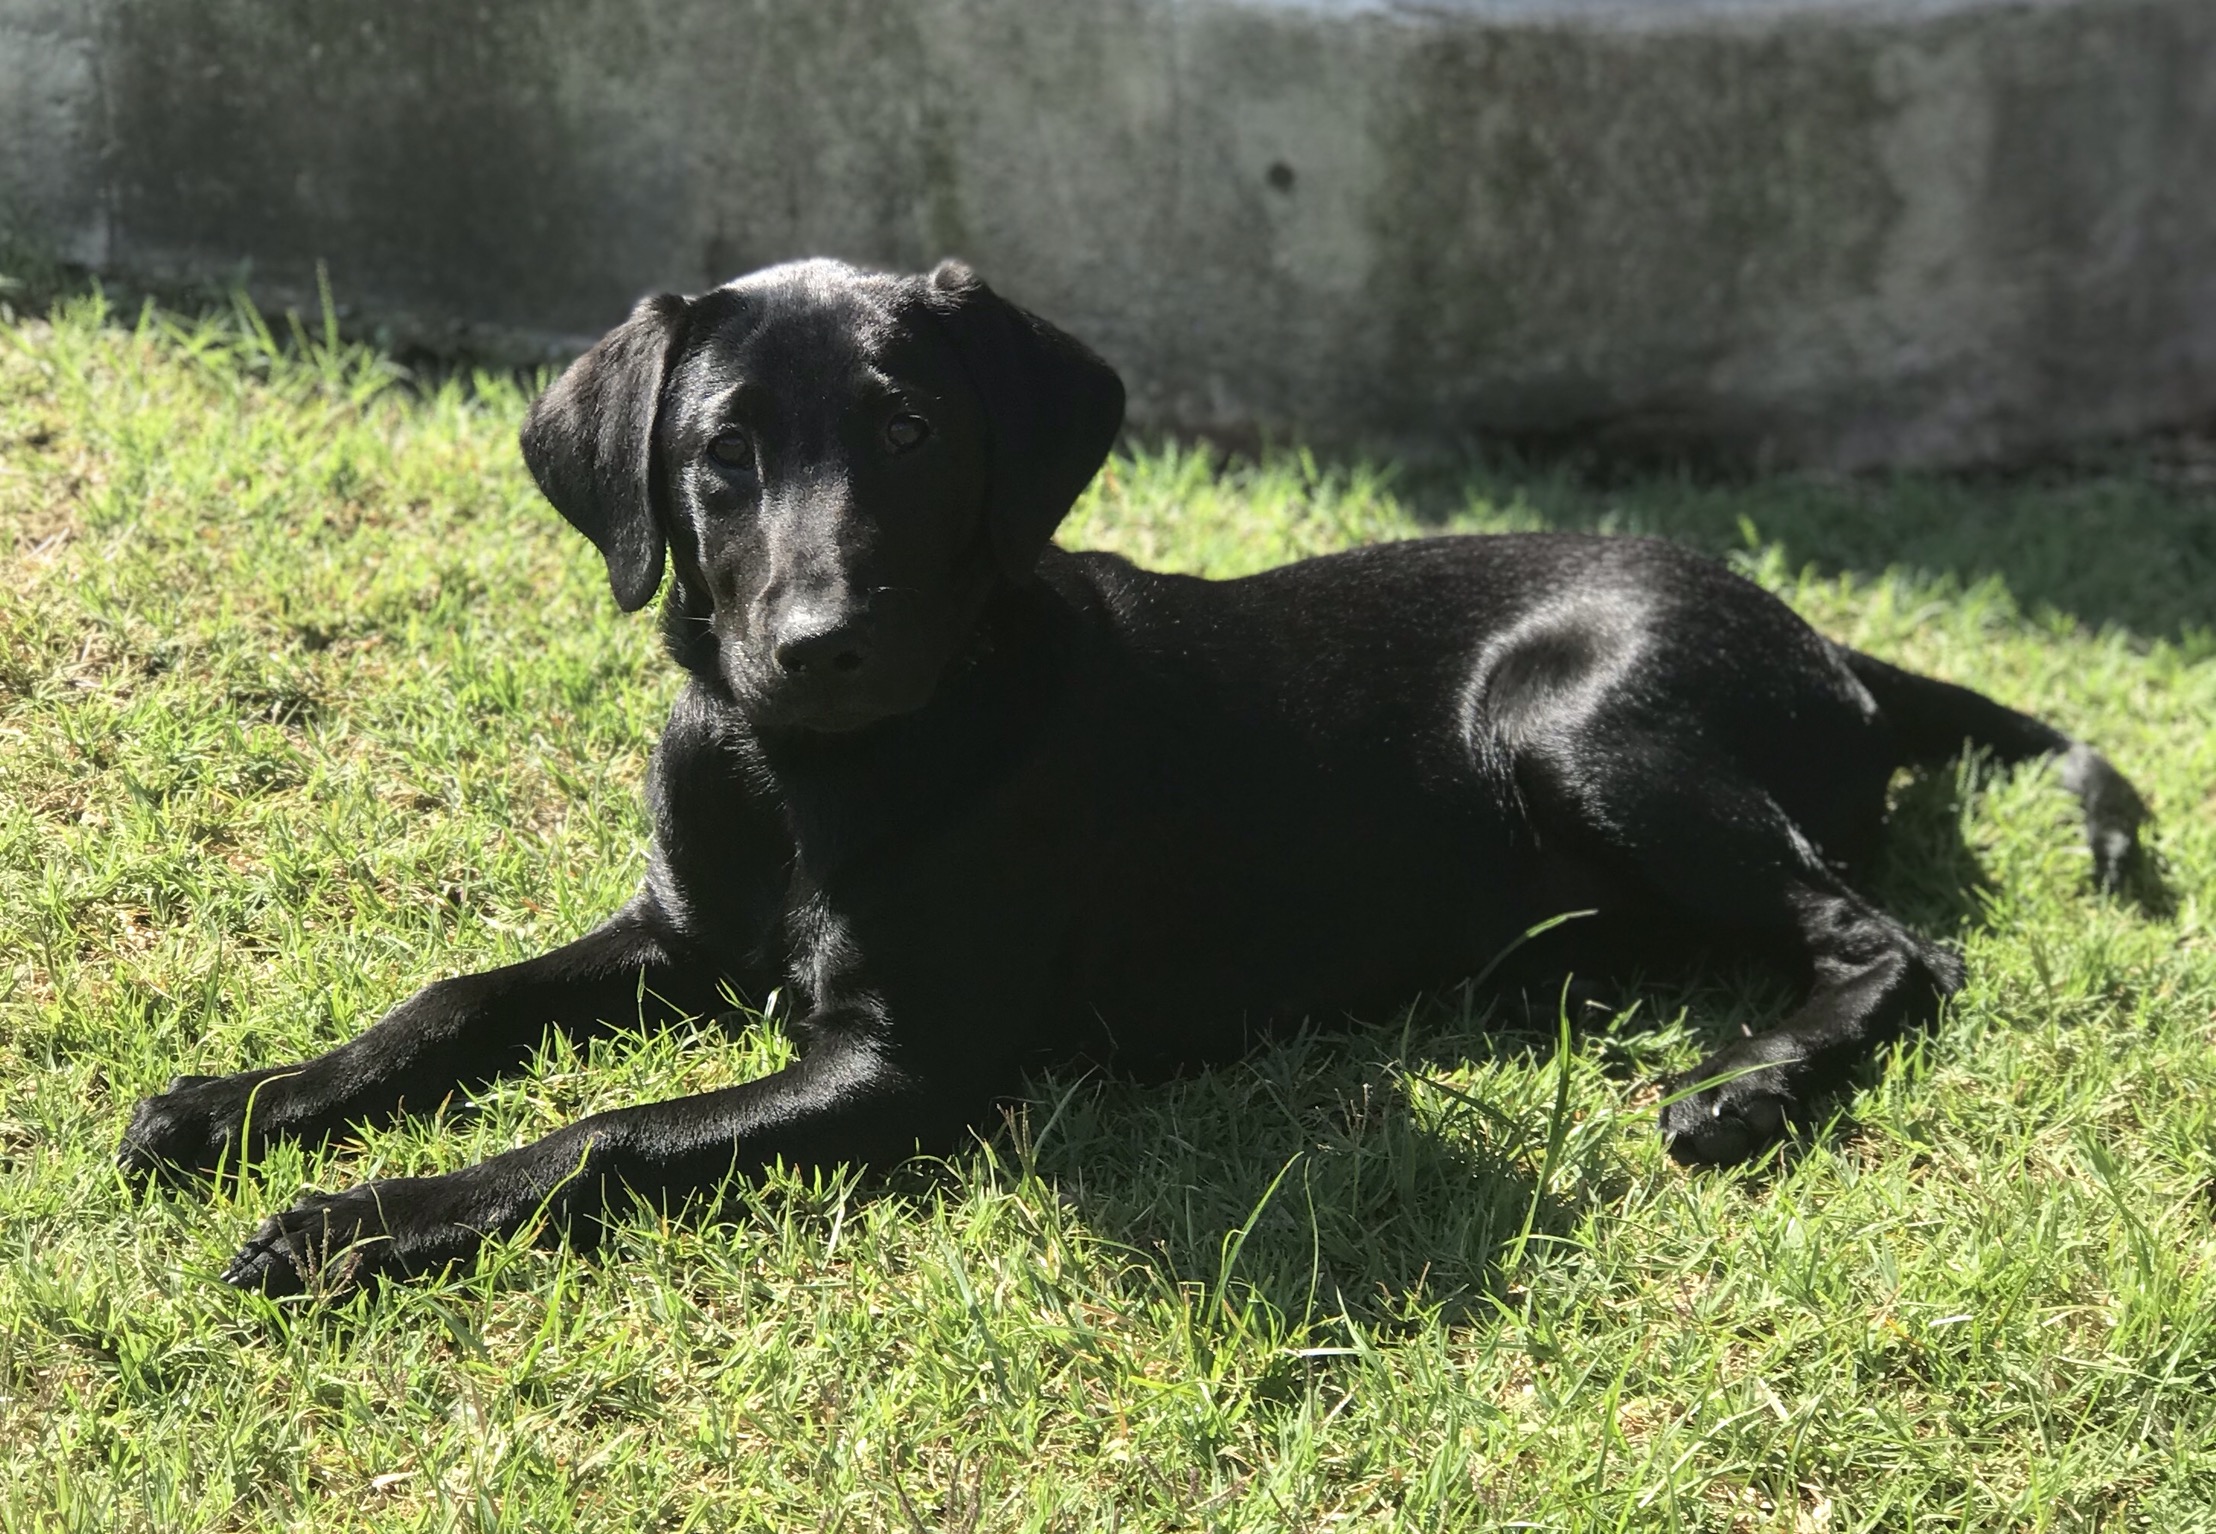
(1742, 1115)
(397, 1227)
(197, 1127)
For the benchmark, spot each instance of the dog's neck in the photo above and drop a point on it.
(849, 791)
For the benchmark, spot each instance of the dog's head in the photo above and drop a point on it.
(840, 465)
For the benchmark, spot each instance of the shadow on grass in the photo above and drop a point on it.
(2122, 537)
(1332, 1174)
(1389, 1171)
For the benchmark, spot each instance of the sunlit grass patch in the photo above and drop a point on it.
(306, 699)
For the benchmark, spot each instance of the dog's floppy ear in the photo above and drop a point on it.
(1052, 410)
(589, 442)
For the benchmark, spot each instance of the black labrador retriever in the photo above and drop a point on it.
(986, 804)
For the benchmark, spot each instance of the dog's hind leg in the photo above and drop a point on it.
(1934, 722)
(451, 1035)
(1695, 837)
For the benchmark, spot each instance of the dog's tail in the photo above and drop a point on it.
(1934, 722)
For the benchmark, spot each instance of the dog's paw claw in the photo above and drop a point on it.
(174, 1136)
(322, 1240)
(267, 1264)
(334, 1243)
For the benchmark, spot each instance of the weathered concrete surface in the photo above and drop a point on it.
(1837, 232)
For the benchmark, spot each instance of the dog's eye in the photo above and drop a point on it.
(732, 449)
(906, 431)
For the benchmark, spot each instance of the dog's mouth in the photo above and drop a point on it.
(835, 719)
(831, 706)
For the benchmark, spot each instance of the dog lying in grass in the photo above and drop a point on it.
(988, 805)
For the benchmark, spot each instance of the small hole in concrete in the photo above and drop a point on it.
(1280, 176)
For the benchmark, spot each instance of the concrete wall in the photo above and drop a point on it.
(1833, 231)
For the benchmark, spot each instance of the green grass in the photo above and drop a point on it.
(306, 700)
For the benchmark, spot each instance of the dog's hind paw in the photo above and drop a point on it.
(1732, 1121)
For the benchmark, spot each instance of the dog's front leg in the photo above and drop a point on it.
(453, 1034)
(849, 1099)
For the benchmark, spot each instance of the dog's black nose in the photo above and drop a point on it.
(839, 650)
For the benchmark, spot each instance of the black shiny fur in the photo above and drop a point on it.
(984, 804)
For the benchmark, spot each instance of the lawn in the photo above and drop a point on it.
(306, 699)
